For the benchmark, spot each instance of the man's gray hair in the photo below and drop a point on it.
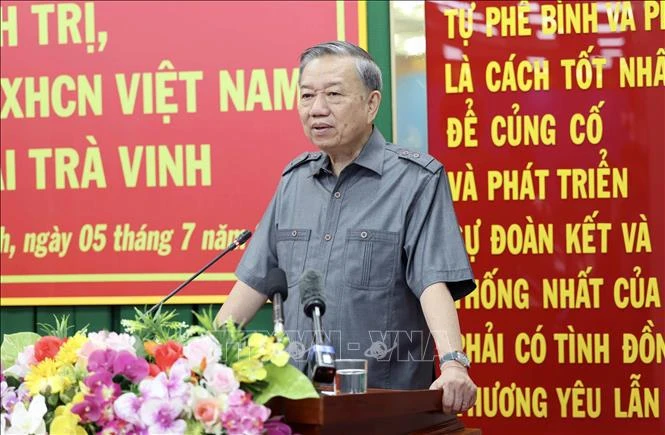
(368, 70)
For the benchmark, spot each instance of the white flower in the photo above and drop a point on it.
(30, 421)
(161, 416)
(202, 348)
(127, 407)
(154, 387)
(107, 340)
(23, 362)
(219, 379)
(120, 342)
(198, 393)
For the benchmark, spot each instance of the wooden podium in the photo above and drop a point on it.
(378, 411)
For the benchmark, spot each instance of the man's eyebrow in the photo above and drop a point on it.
(326, 85)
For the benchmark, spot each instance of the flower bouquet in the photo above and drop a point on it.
(160, 376)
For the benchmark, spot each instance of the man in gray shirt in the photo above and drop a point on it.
(377, 222)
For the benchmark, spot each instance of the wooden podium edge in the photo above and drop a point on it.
(397, 411)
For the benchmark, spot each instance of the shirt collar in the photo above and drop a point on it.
(370, 157)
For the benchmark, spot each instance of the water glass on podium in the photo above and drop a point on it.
(350, 376)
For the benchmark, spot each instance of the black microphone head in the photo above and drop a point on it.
(311, 292)
(243, 237)
(276, 283)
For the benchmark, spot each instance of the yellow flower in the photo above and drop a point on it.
(264, 348)
(279, 356)
(69, 349)
(257, 340)
(65, 422)
(45, 375)
(249, 370)
(257, 346)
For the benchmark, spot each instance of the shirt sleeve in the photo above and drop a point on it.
(433, 243)
(260, 255)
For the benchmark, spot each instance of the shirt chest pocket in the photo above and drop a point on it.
(370, 258)
(292, 252)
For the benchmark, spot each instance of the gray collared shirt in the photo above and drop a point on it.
(379, 234)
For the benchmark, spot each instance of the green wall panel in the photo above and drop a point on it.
(262, 322)
(97, 318)
(378, 44)
(17, 319)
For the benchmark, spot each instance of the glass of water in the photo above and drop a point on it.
(350, 376)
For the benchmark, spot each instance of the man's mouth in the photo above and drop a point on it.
(321, 127)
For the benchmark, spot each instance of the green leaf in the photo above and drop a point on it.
(231, 339)
(159, 326)
(206, 319)
(61, 328)
(194, 428)
(53, 400)
(287, 382)
(13, 344)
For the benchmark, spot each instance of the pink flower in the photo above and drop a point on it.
(220, 379)
(207, 408)
(118, 427)
(97, 405)
(244, 416)
(239, 398)
(275, 426)
(102, 360)
(201, 352)
(89, 410)
(8, 397)
(206, 411)
(130, 366)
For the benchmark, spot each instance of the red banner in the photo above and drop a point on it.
(140, 138)
(549, 119)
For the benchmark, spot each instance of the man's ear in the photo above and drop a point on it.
(373, 103)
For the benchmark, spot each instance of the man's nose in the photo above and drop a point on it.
(319, 106)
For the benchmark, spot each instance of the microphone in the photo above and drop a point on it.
(278, 291)
(241, 239)
(321, 356)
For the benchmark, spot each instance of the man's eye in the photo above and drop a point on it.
(306, 96)
(334, 94)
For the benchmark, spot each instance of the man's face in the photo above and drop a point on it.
(335, 108)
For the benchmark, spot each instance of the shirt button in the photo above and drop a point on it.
(405, 153)
(327, 237)
(294, 233)
(337, 195)
(363, 234)
(416, 155)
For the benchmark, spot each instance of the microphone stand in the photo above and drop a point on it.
(278, 316)
(241, 239)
